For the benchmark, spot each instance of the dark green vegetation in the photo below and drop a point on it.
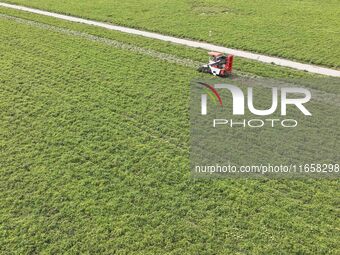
(94, 158)
(305, 30)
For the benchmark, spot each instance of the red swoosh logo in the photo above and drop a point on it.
(213, 90)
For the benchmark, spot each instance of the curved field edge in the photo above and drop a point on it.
(64, 188)
(269, 27)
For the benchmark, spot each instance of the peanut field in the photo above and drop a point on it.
(94, 157)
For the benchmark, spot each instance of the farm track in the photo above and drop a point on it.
(318, 95)
(190, 43)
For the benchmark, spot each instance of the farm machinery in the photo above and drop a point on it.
(219, 64)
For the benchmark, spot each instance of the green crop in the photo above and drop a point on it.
(95, 155)
(303, 30)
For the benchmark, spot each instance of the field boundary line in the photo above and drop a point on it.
(191, 43)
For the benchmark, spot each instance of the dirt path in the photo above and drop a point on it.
(186, 42)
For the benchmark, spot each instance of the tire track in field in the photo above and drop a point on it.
(318, 95)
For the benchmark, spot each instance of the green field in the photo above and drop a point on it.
(94, 153)
(307, 30)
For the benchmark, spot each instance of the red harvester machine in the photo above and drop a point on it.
(220, 64)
